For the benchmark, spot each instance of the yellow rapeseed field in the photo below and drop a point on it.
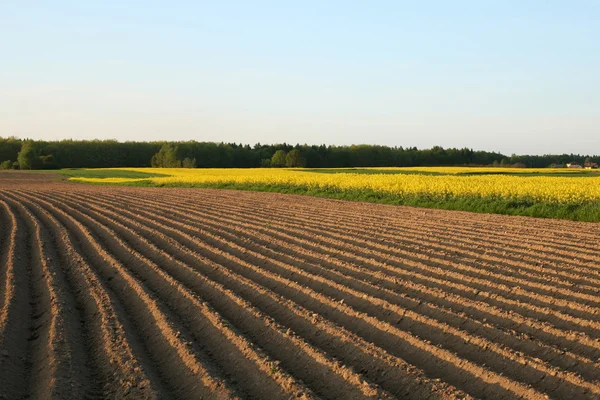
(526, 186)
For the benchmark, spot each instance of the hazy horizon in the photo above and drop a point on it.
(500, 76)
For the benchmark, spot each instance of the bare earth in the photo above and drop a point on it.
(116, 292)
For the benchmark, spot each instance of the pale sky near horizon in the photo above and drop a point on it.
(509, 76)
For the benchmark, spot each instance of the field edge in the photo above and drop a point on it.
(586, 212)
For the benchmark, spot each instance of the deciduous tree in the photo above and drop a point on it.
(278, 159)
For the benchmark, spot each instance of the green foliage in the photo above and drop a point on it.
(9, 148)
(28, 158)
(278, 159)
(111, 153)
(166, 157)
(47, 162)
(294, 160)
(189, 163)
(6, 164)
(83, 153)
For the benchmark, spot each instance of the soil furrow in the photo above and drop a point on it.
(172, 354)
(132, 292)
(407, 221)
(58, 358)
(489, 291)
(472, 348)
(540, 268)
(457, 321)
(250, 318)
(462, 270)
(207, 286)
(557, 297)
(119, 372)
(16, 311)
(411, 218)
(348, 248)
(285, 250)
(530, 327)
(224, 342)
(368, 327)
(7, 261)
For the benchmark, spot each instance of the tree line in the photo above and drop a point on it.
(39, 154)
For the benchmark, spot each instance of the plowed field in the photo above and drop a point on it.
(123, 292)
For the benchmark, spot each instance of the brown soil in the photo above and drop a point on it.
(118, 292)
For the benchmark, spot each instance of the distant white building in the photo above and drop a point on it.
(574, 164)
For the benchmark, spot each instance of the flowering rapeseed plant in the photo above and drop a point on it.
(451, 183)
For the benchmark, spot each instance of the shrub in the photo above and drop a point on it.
(6, 164)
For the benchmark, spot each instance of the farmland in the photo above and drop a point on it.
(141, 292)
(551, 193)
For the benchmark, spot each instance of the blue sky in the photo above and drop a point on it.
(510, 76)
